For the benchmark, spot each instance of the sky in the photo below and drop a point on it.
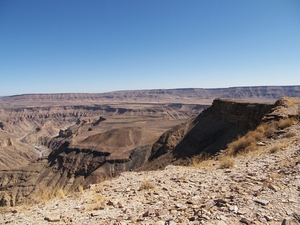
(95, 46)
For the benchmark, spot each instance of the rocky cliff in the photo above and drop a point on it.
(245, 114)
(208, 133)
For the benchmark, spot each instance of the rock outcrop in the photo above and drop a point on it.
(208, 133)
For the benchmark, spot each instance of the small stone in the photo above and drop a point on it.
(273, 187)
(180, 206)
(119, 219)
(171, 222)
(260, 144)
(93, 214)
(233, 208)
(190, 202)
(221, 223)
(289, 221)
(296, 216)
(110, 203)
(205, 217)
(220, 202)
(195, 206)
(203, 211)
(245, 221)
(193, 218)
(269, 218)
(292, 200)
(146, 214)
(120, 205)
(132, 219)
(289, 212)
(261, 201)
(14, 211)
(149, 212)
(241, 212)
(209, 204)
(162, 212)
(53, 217)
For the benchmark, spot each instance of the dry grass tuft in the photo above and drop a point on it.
(288, 101)
(226, 162)
(275, 148)
(4, 209)
(202, 160)
(290, 134)
(242, 145)
(96, 202)
(261, 129)
(44, 194)
(202, 164)
(247, 143)
(146, 185)
(98, 187)
(59, 193)
(80, 188)
(270, 128)
(284, 123)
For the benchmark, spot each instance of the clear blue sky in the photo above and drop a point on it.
(59, 46)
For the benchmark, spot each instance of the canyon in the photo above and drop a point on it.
(67, 141)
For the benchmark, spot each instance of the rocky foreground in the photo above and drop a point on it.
(263, 187)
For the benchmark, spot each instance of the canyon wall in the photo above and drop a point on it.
(183, 95)
(207, 134)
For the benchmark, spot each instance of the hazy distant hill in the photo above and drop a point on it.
(185, 95)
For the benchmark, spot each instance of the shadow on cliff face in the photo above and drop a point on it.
(208, 133)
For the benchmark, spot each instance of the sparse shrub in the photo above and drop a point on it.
(146, 185)
(4, 209)
(44, 194)
(275, 148)
(97, 198)
(247, 143)
(261, 129)
(226, 162)
(290, 134)
(288, 101)
(242, 145)
(284, 123)
(202, 164)
(270, 128)
(258, 135)
(96, 201)
(60, 193)
(201, 160)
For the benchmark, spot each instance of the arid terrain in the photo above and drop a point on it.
(58, 150)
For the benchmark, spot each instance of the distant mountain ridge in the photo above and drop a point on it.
(195, 95)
